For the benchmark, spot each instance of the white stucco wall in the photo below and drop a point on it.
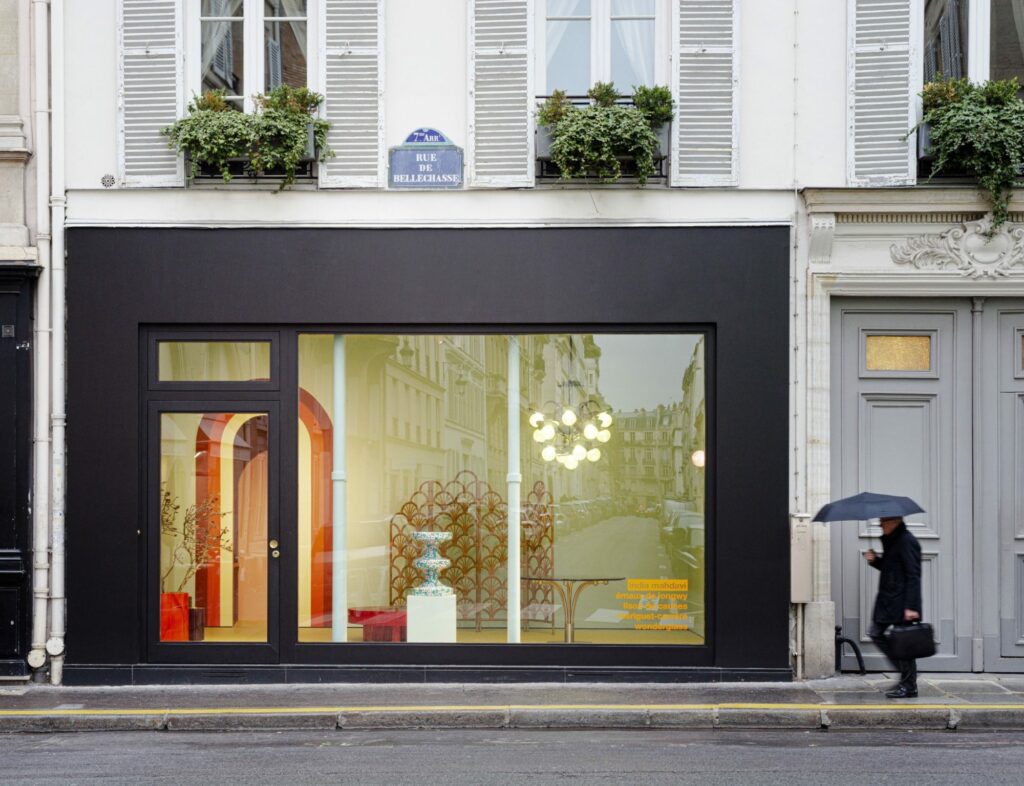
(426, 85)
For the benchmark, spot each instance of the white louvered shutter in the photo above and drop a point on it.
(149, 91)
(884, 78)
(501, 93)
(353, 87)
(706, 86)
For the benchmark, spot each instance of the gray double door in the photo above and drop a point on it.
(928, 402)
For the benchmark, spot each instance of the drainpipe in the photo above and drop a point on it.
(55, 644)
(41, 338)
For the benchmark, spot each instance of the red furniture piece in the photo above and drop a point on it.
(174, 616)
(380, 623)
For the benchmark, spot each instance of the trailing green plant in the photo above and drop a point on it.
(275, 137)
(212, 133)
(282, 130)
(977, 129)
(656, 103)
(591, 140)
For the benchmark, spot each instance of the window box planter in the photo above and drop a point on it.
(280, 142)
(548, 171)
(240, 170)
(543, 142)
(602, 141)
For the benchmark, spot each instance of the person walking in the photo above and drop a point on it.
(899, 596)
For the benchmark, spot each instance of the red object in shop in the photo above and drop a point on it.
(174, 616)
(380, 623)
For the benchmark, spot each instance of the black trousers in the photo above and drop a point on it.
(906, 668)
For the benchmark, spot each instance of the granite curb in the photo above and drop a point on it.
(823, 718)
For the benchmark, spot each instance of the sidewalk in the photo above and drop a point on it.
(946, 701)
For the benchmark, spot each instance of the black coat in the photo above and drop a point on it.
(899, 586)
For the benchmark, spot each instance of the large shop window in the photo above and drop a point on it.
(411, 454)
(587, 41)
(251, 46)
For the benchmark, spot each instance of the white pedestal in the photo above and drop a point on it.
(430, 618)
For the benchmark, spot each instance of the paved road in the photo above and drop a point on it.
(453, 758)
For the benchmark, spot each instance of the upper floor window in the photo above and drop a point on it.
(1006, 43)
(945, 39)
(245, 47)
(581, 42)
(953, 29)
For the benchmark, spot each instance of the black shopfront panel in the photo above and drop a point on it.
(129, 288)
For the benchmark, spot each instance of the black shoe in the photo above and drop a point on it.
(901, 693)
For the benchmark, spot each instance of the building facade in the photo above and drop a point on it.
(19, 285)
(618, 404)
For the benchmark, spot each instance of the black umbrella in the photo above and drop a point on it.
(866, 505)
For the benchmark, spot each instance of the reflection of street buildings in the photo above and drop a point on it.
(429, 407)
(688, 441)
(654, 457)
(644, 456)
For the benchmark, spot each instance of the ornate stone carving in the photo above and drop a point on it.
(974, 249)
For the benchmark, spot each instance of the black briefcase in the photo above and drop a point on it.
(911, 641)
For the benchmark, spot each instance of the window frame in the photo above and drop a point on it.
(254, 43)
(155, 336)
(601, 44)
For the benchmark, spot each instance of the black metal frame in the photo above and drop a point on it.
(149, 596)
(731, 283)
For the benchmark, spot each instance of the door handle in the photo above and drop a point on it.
(275, 554)
(274, 550)
(273, 544)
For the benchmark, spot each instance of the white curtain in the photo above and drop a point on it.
(636, 38)
(557, 28)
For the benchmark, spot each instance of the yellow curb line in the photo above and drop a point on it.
(484, 707)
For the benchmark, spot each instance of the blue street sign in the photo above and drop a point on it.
(426, 160)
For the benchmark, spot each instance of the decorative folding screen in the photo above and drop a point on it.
(477, 517)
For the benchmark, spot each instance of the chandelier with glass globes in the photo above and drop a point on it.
(571, 436)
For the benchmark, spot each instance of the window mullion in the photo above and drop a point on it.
(193, 54)
(979, 51)
(253, 51)
(601, 41)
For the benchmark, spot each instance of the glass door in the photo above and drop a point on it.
(214, 538)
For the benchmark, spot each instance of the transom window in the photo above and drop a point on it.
(244, 47)
(581, 42)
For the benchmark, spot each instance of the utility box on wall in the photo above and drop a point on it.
(800, 558)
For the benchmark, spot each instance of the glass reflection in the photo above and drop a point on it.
(406, 434)
(1007, 40)
(222, 49)
(945, 39)
(213, 361)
